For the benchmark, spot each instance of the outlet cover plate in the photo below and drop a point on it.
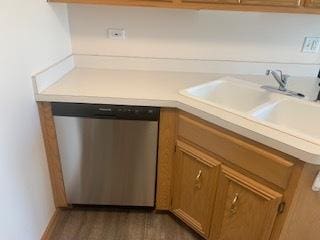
(311, 45)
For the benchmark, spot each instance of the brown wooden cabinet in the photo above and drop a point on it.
(292, 6)
(312, 3)
(244, 209)
(195, 179)
(211, 1)
(284, 3)
(253, 181)
(119, 2)
(280, 3)
(223, 185)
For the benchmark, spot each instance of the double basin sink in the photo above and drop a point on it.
(294, 116)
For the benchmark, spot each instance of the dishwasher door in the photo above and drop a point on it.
(108, 162)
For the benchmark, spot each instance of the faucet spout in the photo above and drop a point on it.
(281, 78)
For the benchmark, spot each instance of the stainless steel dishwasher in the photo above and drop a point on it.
(108, 153)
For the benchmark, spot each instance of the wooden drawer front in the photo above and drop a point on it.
(267, 165)
(281, 3)
(313, 3)
(211, 1)
(244, 209)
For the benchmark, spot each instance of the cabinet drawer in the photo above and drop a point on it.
(237, 150)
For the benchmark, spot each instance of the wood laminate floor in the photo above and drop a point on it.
(119, 224)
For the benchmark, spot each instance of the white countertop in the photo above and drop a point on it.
(160, 88)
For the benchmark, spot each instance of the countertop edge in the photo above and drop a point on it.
(312, 158)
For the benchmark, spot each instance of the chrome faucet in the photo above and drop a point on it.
(281, 78)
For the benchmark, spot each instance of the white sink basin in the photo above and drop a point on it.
(296, 117)
(232, 94)
(291, 114)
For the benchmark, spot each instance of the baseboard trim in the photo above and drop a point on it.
(51, 225)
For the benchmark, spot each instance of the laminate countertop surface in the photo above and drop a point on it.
(161, 89)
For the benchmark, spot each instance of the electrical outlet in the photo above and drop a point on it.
(311, 45)
(116, 34)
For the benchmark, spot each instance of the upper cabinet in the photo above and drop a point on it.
(119, 2)
(313, 3)
(294, 6)
(280, 3)
(211, 1)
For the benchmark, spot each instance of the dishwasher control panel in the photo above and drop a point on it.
(102, 111)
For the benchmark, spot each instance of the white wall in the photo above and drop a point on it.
(214, 35)
(33, 35)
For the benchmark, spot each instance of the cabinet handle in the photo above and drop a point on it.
(233, 208)
(198, 183)
(199, 176)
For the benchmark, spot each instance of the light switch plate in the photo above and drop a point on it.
(116, 34)
(311, 45)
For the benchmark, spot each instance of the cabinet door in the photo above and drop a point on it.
(211, 1)
(244, 209)
(283, 3)
(151, 0)
(313, 3)
(195, 181)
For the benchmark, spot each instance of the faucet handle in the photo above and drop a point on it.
(285, 78)
(268, 71)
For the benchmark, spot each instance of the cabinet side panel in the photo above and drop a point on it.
(167, 139)
(53, 156)
(303, 221)
(287, 199)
